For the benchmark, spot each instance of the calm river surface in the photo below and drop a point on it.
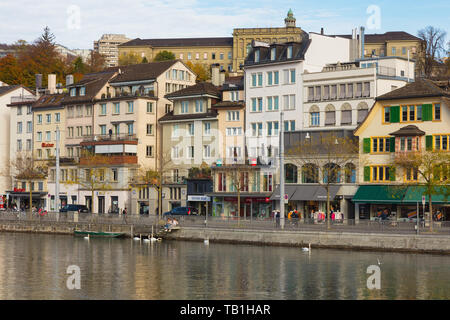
(33, 266)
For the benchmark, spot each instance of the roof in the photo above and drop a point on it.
(50, 101)
(7, 89)
(171, 117)
(181, 42)
(298, 52)
(200, 88)
(233, 83)
(93, 82)
(410, 130)
(143, 71)
(223, 104)
(417, 89)
(387, 36)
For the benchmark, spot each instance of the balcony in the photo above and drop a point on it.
(122, 137)
(19, 99)
(386, 71)
(109, 160)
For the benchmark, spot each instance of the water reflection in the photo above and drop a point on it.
(34, 267)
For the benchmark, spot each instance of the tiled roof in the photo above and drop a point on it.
(50, 101)
(7, 89)
(93, 83)
(233, 83)
(417, 89)
(387, 36)
(410, 130)
(171, 117)
(197, 89)
(181, 42)
(143, 71)
(224, 104)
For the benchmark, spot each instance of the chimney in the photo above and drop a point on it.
(361, 42)
(215, 76)
(51, 83)
(38, 78)
(69, 80)
(222, 77)
(321, 31)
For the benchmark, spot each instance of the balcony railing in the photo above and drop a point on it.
(109, 160)
(386, 71)
(27, 98)
(112, 137)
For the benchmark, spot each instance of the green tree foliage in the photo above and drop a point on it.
(164, 55)
(201, 70)
(129, 59)
(144, 60)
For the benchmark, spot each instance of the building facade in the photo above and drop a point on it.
(409, 120)
(108, 45)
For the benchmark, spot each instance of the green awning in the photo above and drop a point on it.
(380, 194)
(414, 195)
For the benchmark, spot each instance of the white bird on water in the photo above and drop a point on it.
(136, 238)
(87, 238)
(307, 249)
(379, 263)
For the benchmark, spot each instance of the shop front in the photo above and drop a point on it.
(201, 203)
(21, 199)
(250, 206)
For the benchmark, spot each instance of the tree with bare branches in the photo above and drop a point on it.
(323, 159)
(432, 45)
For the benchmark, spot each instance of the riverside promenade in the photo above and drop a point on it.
(367, 235)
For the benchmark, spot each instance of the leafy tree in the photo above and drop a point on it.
(129, 59)
(144, 60)
(432, 169)
(201, 70)
(79, 66)
(10, 70)
(164, 55)
(96, 62)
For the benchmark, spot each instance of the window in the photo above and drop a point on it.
(273, 52)
(310, 94)
(394, 51)
(175, 153)
(19, 145)
(233, 115)
(198, 105)
(253, 79)
(79, 111)
(19, 127)
(441, 142)
(117, 108)
(174, 74)
(149, 151)
(130, 128)
(185, 107)
(191, 129)
(269, 78)
(272, 128)
(289, 125)
(289, 102)
(411, 174)
(350, 173)
(292, 80)
(130, 106)
(213, 56)
(260, 79)
(149, 107)
(39, 136)
(19, 110)
(207, 129)
(387, 114)
(73, 92)
(380, 145)
(267, 181)
(234, 152)
(175, 131)
(289, 52)
(326, 92)
(88, 130)
(230, 55)
(190, 152)
(82, 91)
(103, 109)
(366, 91)
(29, 110)
(39, 153)
(256, 129)
(437, 111)
(48, 118)
(234, 131)
(207, 151)
(29, 145)
(380, 173)
(48, 135)
(29, 126)
(222, 181)
(103, 129)
(276, 76)
(315, 119)
(257, 55)
(149, 129)
(115, 174)
(57, 117)
(346, 114)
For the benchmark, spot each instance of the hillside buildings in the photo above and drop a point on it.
(107, 46)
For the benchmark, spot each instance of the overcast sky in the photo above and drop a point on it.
(76, 24)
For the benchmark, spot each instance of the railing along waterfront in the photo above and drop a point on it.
(230, 222)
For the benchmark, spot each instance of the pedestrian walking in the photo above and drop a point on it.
(124, 213)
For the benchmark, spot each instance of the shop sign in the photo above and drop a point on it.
(19, 190)
(47, 145)
(199, 198)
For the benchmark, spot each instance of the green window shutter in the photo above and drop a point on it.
(427, 110)
(366, 145)
(395, 114)
(392, 174)
(392, 144)
(429, 143)
(366, 173)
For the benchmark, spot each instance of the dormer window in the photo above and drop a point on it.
(82, 91)
(73, 92)
(273, 52)
(289, 52)
(257, 55)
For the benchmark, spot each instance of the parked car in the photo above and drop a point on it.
(74, 207)
(182, 211)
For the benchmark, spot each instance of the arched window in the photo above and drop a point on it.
(350, 173)
(363, 110)
(290, 172)
(331, 173)
(346, 114)
(330, 115)
(314, 113)
(310, 173)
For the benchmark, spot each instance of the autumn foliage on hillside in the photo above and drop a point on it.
(41, 57)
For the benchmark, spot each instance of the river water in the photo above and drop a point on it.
(34, 266)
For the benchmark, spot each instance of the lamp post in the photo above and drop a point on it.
(281, 154)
